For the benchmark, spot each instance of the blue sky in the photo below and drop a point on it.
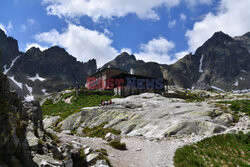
(153, 30)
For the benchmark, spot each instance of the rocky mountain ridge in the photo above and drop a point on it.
(221, 63)
(35, 73)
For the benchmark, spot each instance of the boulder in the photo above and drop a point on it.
(224, 119)
(48, 122)
(101, 163)
(111, 137)
(87, 151)
(92, 157)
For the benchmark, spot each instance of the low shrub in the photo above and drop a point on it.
(99, 131)
(118, 145)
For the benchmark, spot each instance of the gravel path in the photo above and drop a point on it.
(141, 152)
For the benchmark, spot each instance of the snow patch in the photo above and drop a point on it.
(216, 88)
(44, 91)
(236, 83)
(243, 79)
(20, 85)
(243, 70)
(37, 77)
(12, 63)
(29, 98)
(200, 67)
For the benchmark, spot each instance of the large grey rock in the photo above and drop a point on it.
(48, 161)
(153, 116)
(101, 163)
(224, 119)
(48, 122)
(92, 157)
(110, 137)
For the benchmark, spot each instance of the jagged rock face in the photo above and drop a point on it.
(14, 148)
(9, 48)
(221, 61)
(182, 73)
(150, 69)
(125, 62)
(58, 69)
(244, 40)
(35, 73)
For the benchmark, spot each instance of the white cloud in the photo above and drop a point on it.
(82, 43)
(106, 9)
(36, 45)
(95, 9)
(108, 33)
(157, 50)
(171, 24)
(180, 55)
(2, 27)
(183, 17)
(31, 22)
(23, 27)
(193, 3)
(128, 50)
(9, 27)
(231, 18)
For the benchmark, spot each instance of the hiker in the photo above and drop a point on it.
(106, 102)
(101, 103)
(110, 101)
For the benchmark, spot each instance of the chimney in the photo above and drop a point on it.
(131, 71)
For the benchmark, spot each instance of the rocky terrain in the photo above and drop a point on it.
(152, 126)
(36, 73)
(25, 143)
(221, 62)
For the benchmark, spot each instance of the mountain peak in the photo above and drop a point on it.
(247, 34)
(221, 36)
(125, 56)
(33, 50)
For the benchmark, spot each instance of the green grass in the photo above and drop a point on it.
(99, 131)
(222, 150)
(238, 105)
(85, 98)
(190, 97)
(52, 136)
(118, 145)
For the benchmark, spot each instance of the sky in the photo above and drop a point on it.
(153, 30)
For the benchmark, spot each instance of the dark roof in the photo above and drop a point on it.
(104, 69)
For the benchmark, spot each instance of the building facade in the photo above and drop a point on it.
(125, 84)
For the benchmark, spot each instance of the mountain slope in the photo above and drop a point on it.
(9, 48)
(125, 62)
(221, 62)
(36, 73)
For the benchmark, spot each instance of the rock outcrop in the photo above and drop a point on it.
(152, 116)
(221, 62)
(125, 62)
(14, 147)
(36, 73)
